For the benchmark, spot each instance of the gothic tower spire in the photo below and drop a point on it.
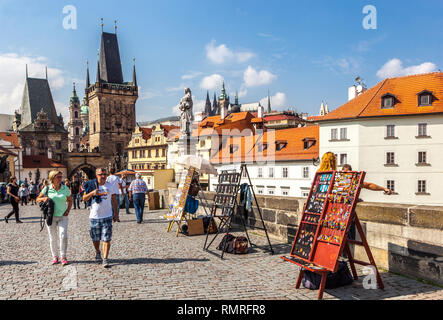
(207, 105)
(87, 75)
(269, 103)
(134, 76)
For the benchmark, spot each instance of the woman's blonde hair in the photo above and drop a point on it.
(52, 175)
(328, 162)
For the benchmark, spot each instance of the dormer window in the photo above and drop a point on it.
(279, 145)
(308, 143)
(425, 98)
(261, 147)
(388, 101)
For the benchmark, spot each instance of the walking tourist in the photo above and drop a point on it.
(116, 182)
(138, 191)
(101, 216)
(75, 192)
(33, 192)
(58, 230)
(124, 193)
(14, 199)
(23, 194)
(83, 190)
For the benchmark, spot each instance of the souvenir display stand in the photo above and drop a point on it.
(322, 234)
(225, 206)
(176, 214)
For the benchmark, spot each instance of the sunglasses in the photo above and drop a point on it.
(102, 174)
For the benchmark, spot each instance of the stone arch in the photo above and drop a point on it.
(87, 168)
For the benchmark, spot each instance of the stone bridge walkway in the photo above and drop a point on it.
(148, 263)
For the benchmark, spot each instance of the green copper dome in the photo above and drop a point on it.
(84, 109)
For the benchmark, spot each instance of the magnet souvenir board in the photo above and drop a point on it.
(226, 192)
(181, 195)
(305, 237)
(337, 219)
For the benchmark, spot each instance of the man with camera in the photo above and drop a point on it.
(104, 202)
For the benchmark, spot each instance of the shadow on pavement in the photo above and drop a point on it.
(9, 263)
(116, 262)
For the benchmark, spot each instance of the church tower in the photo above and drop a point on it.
(75, 124)
(111, 101)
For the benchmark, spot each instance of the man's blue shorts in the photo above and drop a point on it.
(100, 229)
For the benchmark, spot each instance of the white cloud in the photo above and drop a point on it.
(191, 75)
(254, 78)
(222, 54)
(243, 91)
(394, 68)
(277, 101)
(348, 65)
(12, 79)
(212, 82)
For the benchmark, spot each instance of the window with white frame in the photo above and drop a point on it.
(305, 194)
(422, 157)
(343, 159)
(284, 172)
(390, 131)
(390, 184)
(390, 158)
(285, 191)
(422, 129)
(260, 172)
(343, 134)
(306, 172)
(271, 172)
(271, 191)
(260, 190)
(333, 134)
(421, 186)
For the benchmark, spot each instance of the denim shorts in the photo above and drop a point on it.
(100, 229)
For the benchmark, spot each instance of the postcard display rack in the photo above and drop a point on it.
(323, 230)
(177, 214)
(225, 205)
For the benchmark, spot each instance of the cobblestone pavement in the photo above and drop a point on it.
(149, 263)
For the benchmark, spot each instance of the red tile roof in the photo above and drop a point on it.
(11, 137)
(266, 146)
(40, 162)
(405, 89)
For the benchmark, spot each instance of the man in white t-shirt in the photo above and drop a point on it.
(104, 210)
(116, 182)
(124, 193)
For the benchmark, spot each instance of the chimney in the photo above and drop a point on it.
(222, 112)
(260, 112)
(352, 93)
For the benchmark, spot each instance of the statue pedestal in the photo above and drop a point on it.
(187, 146)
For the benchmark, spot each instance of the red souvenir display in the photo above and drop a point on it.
(327, 217)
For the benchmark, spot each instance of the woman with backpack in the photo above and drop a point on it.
(61, 196)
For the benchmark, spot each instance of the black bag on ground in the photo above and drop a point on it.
(334, 280)
(228, 241)
(47, 209)
(234, 245)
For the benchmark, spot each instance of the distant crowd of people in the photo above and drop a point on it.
(103, 195)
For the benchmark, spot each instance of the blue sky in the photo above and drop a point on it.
(302, 51)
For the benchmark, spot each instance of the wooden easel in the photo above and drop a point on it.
(323, 272)
(226, 200)
(329, 198)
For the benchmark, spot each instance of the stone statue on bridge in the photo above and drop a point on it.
(186, 115)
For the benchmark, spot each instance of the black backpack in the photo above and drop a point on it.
(342, 277)
(235, 245)
(228, 241)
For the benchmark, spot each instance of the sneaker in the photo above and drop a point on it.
(64, 261)
(105, 263)
(54, 260)
(98, 257)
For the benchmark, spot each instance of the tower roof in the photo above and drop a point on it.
(37, 96)
(110, 64)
